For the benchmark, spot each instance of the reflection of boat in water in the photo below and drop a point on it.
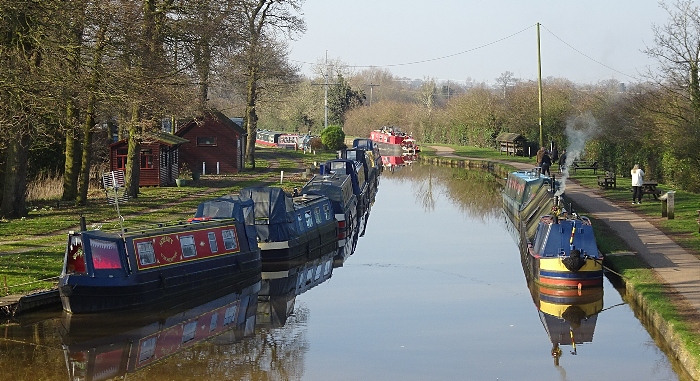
(282, 282)
(104, 346)
(569, 317)
(393, 162)
(562, 249)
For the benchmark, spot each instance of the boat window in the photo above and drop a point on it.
(317, 214)
(188, 331)
(148, 349)
(146, 254)
(327, 211)
(188, 247)
(105, 254)
(230, 315)
(309, 219)
(300, 221)
(214, 322)
(230, 242)
(213, 246)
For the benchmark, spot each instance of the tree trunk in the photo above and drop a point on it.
(72, 158)
(133, 155)
(15, 189)
(251, 115)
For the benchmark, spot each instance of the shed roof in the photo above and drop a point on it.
(161, 137)
(215, 115)
(509, 137)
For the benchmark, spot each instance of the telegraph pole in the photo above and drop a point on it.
(371, 87)
(539, 83)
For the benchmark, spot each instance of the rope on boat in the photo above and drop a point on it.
(608, 268)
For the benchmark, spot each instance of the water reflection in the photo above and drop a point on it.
(100, 346)
(283, 282)
(474, 192)
(568, 316)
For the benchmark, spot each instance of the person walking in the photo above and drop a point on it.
(637, 182)
(546, 163)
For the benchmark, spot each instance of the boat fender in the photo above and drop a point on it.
(162, 280)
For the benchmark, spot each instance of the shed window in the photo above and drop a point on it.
(146, 159)
(121, 158)
(206, 141)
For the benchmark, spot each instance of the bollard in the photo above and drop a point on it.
(668, 205)
(281, 177)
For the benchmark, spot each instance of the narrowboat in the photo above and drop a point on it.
(105, 271)
(370, 146)
(287, 226)
(291, 141)
(283, 282)
(564, 252)
(527, 195)
(112, 345)
(353, 169)
(267, 138)
(371, 171)
(394, 142)
(338, 188)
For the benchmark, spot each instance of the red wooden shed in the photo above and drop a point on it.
(216, 144)
(159, 158)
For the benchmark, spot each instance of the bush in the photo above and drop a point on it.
(333, 137)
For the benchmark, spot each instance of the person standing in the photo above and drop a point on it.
(555, 154)
(562, 161)
(637, 182)
(540, 153)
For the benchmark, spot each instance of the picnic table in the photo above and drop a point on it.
(649, 187)
(609, 180)
(585, 164)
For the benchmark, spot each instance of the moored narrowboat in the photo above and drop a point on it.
(393, 142)
(105, 271)
(527, 195)
(370, 146)
(338, 188)
(564, 253)
(371, 171)
(287, 226)
(360, 186)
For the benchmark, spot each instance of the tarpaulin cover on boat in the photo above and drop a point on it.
(231, 206)
(274, 213)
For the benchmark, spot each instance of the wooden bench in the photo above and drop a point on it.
(608, 181)
(585, 165)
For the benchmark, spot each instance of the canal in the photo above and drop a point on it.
(434, 290)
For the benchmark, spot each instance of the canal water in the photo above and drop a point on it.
(433, 290)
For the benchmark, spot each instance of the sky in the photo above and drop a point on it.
(585, 41)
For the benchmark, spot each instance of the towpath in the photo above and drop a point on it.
(674, 265)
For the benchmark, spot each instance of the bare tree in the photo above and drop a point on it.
(262, 20)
